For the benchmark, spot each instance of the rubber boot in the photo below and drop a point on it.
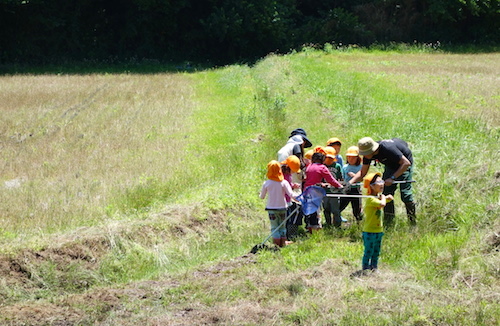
(411, 212)
(389, 215)
(337, 219)
(328, 218)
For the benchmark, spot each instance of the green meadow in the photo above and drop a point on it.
(132, 199)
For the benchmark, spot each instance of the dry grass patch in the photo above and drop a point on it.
(70, 144)
(242, 292)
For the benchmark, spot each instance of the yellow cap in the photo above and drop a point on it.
(352, 151)
(332, 141)
(330, 152)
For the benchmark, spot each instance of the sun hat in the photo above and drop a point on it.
(332, 141)
(367, 146)
(352, 151)
(330, 151)
(301, 132)
(274, 171)
(308, 155)
(307, 142)
(293, 163)
(298, 131)
(368, 180)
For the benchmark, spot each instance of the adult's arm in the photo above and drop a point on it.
(361, 173)
(404, 164)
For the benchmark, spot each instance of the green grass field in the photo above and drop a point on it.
(132, 198)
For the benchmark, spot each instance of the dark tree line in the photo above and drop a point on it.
(51, 31)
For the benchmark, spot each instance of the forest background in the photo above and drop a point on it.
(57, 31)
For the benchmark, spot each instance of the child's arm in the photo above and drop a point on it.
(384, 199)
(330, 179)
(263, 191)
(288, 190)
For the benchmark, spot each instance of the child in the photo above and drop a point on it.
(316, 173)
(373, 225)
(331, 205)
(276, 187)
(349, 170)
(292, 164)
(307, 157)
(336, 143)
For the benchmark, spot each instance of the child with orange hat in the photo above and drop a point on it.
(349, 170)
(373, 228)
(331, 205)
(276, 188)
(289, 166)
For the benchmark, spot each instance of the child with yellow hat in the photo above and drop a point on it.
(331, 205)
(337, 144)
(373, 228)
(276, 188)
(349, 170)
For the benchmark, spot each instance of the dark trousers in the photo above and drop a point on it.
(406, 196)
(295, 219)
(355, 203)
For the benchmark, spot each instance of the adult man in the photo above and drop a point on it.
(397, 159)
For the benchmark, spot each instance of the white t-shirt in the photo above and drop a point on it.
(276, 193)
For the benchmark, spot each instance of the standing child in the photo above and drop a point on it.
(307, 157)
(316, 173)
(276, 187)
(337, 144)
(331, 205)
(349, 170)
(289, 166)
(373, 228)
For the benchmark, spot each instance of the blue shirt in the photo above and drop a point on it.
(350, 168)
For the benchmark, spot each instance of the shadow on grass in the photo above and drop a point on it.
(154, 66)
(93, 67)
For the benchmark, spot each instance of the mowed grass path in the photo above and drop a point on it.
(195, 270)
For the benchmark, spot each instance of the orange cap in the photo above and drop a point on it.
(319, 149)
(367, 180)
(293, 163)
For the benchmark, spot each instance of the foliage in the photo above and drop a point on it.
(222, 31)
